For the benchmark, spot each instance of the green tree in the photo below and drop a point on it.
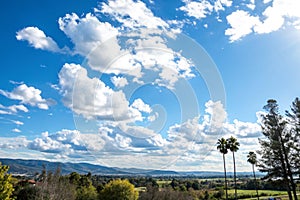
(27, 193)
(294, 121)
(84, 187)
(276, 147)
(233, 146)
(6, 186)
(222, 146)
(252, 159)
(119, 190)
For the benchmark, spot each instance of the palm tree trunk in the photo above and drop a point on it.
(225, 176)
(256, 185)
(234, 176)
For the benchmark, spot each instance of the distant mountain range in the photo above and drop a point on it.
(32, 167)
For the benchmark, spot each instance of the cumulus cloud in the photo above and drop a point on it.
(141, 106)
(27, 95)
(92, 98)
(192, 141)
(98, 42)
(242, 24)
(243, 129)
(277, 14)
(37, 39)
(87, 32)
(217, 114)
(56, 143)
(105, 51)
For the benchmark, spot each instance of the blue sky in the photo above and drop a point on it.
(149, 84)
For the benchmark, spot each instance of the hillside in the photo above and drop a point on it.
(31, 167)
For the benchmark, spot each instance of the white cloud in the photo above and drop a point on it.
(243, 129)
(136, 131)
(3, 112)
(197, 9)
(217, 114)
(201, 9)
(13, 109)
(123, 142)
(16, 82)
(153, 117)
(91, 98)
(132, 14)
(51, 144)
(98, 42)
(13, 143)
(242, 24)
(141, 106)
(16, 130)
(37, 39)
(219, 4)
(87, 32)
(276, 16)
(119, 82)
(274, 21)
(27, 95)
(18, 122)
(251, 4)
(188, 143)
(102, 45)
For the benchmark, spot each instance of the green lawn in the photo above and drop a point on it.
(251, 194)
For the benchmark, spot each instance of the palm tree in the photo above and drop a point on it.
(233, 146)
(222, 146)
(252, 160)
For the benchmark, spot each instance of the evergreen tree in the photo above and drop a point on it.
(294, 121)
(275, 148)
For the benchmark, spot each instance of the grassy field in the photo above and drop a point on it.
(251, 194)
(160, 183)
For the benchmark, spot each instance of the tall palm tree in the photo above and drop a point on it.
(233, 146)
(222, 146)
(252, 160)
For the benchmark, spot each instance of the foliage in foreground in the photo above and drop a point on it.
(119, 190)
(6, 186)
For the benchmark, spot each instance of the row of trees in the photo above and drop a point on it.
(280, 147)
(54, 186)
(223, 145)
